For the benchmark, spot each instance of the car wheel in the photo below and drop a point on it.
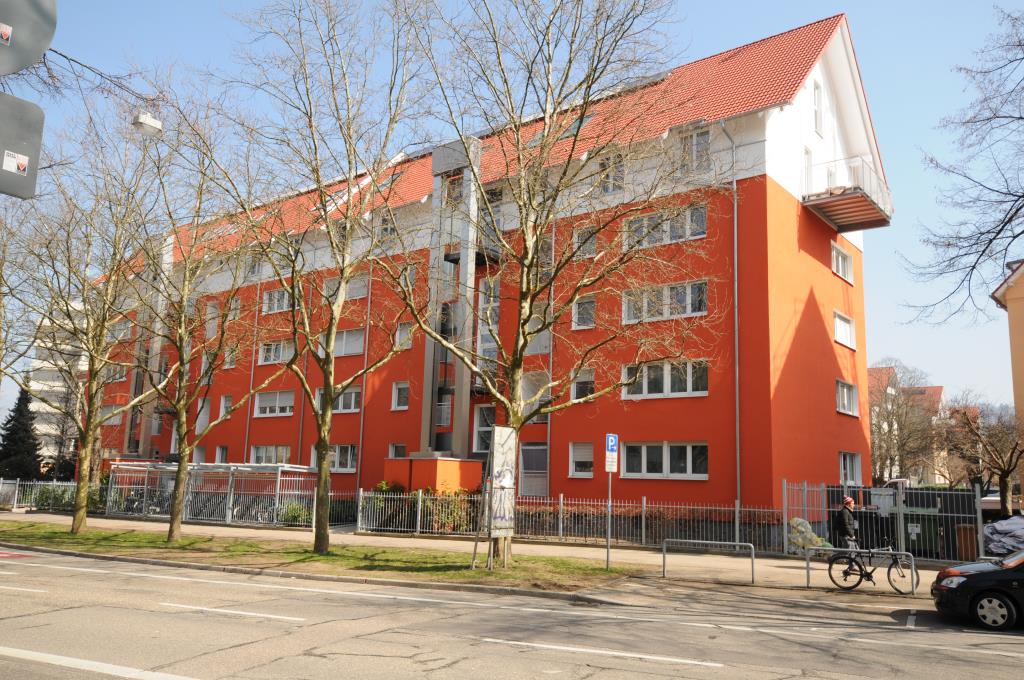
(994, 611)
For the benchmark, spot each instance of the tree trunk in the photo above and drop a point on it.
(1004, 495)
(82, 485)
(321, 517)
(180, 483)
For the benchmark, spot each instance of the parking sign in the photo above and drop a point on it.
(611, 453)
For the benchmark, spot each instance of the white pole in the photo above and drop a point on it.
(608, 527)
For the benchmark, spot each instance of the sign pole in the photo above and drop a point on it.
(608, 528)
(611, 465)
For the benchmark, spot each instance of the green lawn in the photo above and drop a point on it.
(546, 573)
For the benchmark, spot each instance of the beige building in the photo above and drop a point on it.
(1010, 296)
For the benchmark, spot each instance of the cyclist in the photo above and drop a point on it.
(847, 525)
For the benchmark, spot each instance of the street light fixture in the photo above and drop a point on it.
(147, 124)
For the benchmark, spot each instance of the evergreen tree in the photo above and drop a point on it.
(19, 447)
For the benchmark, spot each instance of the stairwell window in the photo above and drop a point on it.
(276, 352)
(276, 301)
(673, 301)
(400, 396)
(696, 156)
(581, 459)
(671, 460)
(584, 313)
(846, 398)
(818, 114)
(403, 336)
(272, 404)
(666, 379)
(842, 263)
(612, 170)
(443, 417)
(271, 455)
(844, 331)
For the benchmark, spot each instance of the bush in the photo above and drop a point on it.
(296, 514)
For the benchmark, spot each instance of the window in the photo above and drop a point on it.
(575, 127)
(817, 107)
(808, 172)
(254, 269)
(118, 331)
(444, 411)
(666, 379)
(673, 460)
(583, 383)
(842, 263)
(357, 287)
(536, 394)
(341, 457)
(665, 302)
(234, 309)
(348, 401)
(386, 225)
(199, 454)
(276, 301)
(400, 396)
(202, 415)
(612, 173)
(581, 459)
(403, 336)
(844, 330)
(846, 398)
(696, 152)
(407, 276)
(491, 212)
(584, 313)
(276, 352)
(157, 425)
(849, 468)
(105, 415)
(222, 454)
(540, 343)
(270, 404)
(348, 342)
(226, 402)
(271, 455)
(483, 429)
(584, 242)
(397, 451)
(657, 228)
(115, 373)
(209, 360)
(230, 357)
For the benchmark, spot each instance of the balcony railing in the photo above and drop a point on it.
(848, 193)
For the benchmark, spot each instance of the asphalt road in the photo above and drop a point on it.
(63, 617)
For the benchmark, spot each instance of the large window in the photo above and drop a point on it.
(844, 330)
(673, 460)
(584, 312)
(666, 379)
(673, 301)
(849, 468)
(846, 398)
(342, 457)
(348, 401)
(276, 352)
(400, 396)
(581, 459)
(696, 156)
(270, 404)
(105, 415)
(842, 263)
(271, 455)
(612, 173)
(276, 301)
(357, 287)
(658, 228)
(483, 429)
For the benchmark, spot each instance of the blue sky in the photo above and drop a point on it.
(907, 51)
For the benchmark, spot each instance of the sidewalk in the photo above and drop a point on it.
(695, 567)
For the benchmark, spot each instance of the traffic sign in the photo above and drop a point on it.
(611, 453)
(26, 30)
(21, 137)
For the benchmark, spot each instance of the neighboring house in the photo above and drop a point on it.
(1009, 295)
(905, 422)
(56, 432)
(808, 179)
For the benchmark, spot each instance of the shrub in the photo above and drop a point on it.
(294, 513)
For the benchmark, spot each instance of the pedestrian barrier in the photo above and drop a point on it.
(722, 544)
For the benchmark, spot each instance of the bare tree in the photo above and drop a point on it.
(985, 194)
(987, 439)
(569, 201)
(903, 421)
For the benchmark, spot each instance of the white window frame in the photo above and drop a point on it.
(386, 227)
(277, 300)
(115, 373)
(393, 447)
(357, 287)
(344, 343)
(263, 450)
(541, 342)
(276, 410)
(230, 358)
(696, 151)
(234, 308)
(573, 473)
(280, 352)
(584, 242)
(443, 416)
(842, 260)
(612, 173)
(850, 462)
(226, 402)
(818, 102)
(665, 461)
(119, 331)
(221, 454)
(838, 319)
(844, 391)
(202, 415)
(106, 409)
(642, 296)
(631, 393)
(576, 325)
(478, 429)
(344, 402)
(334, 455)
(395, 387)
(584, 375)
(403, 336)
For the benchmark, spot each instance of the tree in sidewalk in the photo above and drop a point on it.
(987, 440)
(568, 212)
(19, 446)
(903, 422)
(986, 191)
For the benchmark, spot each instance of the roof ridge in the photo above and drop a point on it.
(760, 40)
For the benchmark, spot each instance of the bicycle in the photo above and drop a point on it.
(848, 570)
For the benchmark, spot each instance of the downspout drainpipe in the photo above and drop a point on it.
(735, 318)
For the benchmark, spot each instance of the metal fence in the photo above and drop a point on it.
(40, 495)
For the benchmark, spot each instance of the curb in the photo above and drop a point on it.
(576, 598)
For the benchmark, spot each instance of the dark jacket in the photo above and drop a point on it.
(845, 523)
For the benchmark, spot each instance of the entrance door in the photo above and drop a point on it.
(533, 467)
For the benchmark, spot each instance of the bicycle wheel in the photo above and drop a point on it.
(902, 578)
(845, 571)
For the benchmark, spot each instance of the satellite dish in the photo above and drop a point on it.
(26, 30)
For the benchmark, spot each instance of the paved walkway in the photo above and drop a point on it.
(769, 571)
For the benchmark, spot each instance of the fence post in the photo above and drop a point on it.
(145, 494)
(419, 509)
(561, 516)
(17, 486)
(53, 490)
(643, 520)
(229, 501)
(785, 518)
(110, 490)
(359, 510)
(737, 538)
(277, 499)
(981, 524)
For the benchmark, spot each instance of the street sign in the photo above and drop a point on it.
(611, 453)
(21, 138)
(26, 30)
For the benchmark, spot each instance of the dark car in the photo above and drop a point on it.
(990, 592)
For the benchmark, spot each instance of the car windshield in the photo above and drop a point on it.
(1014, 560)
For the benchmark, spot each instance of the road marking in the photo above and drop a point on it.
(232, 611)
(11, 556)
(604, 652)
(911, 618)
(24, 590)
(8, 573)
(57, 566)
(86, 665)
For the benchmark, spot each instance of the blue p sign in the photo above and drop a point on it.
(611, 443)
(611, 453)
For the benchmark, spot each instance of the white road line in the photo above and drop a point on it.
(604, 652)
(86, 665)
(8, 573)
(912, 618)
(232, 611)
(57, 566)
(24, 590)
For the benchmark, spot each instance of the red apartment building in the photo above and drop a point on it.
(784, 394)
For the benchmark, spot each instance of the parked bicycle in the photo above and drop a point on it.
(848, 569)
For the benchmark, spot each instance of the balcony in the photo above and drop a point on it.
(848, 194)
(488, 251)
